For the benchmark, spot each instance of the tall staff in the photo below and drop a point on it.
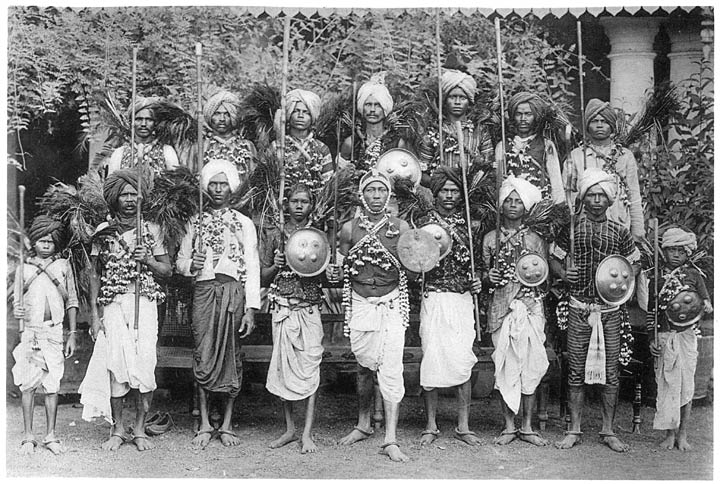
(499, 173)
(354, 117)
(139, 168)
(439, 74)
(281, 145)
(200, 142)
(584, 136)
(464, 169)
(20, 283)
(656, 269)
(333, 234)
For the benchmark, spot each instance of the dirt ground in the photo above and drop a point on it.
(259, 420)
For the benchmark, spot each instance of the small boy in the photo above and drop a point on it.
(294, 372)
(49, 294)
(677, 349)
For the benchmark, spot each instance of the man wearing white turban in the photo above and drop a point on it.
(221, 113)
(224, 262)
(676, 351)
(307, 159)
(528, 154)
(603, 151)
(458, 91)
(157, 157)
(516, 318)
(594, 328)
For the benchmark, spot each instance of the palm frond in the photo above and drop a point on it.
(547, 218)
(258, 111)
(174, 126)
(657, 107)
(172, 203)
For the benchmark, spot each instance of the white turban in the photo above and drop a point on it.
(376, 89)
(222, 98)
(308, 98)
(451, 79)
(596, 176)
(677, 237)
(528, 193)
(216, 167)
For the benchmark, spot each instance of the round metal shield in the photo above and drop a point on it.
(307, 252)
(441, 236)
(418, 250)
(532, 269)
(399, 163)
(685, 309)
(614, 280)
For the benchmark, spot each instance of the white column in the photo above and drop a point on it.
(631, 59)
(686, 50)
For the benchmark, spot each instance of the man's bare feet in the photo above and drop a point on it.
(571, 439)
(505, 437)
(668, 443)
(308, 446)
(392, 450)
(228, 438)
(53, 444)
(142, 442)
(356, 435)
(27, 446)
(116, 439)
(533, 437)
(614, 443)
(682, 442)
(467, 436)
(202, 438)
(284, 439)
(428, 436)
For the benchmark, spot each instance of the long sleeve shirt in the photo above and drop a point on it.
(231, 249)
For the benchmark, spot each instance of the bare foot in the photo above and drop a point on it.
(202, 438)
(356, 435)
(568, 441)
(682, 442)
(428, 436)
(468, 437)
(668, 443)
(308, 446)
(228, 438)
(116, 439)
(27, 446)
(534, 438)
(615, 444)
(284, 439)
(142, 442)
(53, 444)
(505, 437)
(393, 451)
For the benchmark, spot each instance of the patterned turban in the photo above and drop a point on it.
(43, 225)
(114, 184)
(596, 176)
(595, 107)
(143, 103)
(528, 193)
(677, 237)
(225, 99)
(376, 89)
(451, 79)
(537, 105)
(308, 98)
(374, 176)
(215, 167)
(443, 174)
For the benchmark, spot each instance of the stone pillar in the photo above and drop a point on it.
(631, 59)
(686, 50)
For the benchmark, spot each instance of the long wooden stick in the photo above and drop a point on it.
(354, 117)
(333, 234)
(138, 204)
(582, 92)
(466, 197)
(200, 143)
(21, 265)
(281, 146)
(656, 253)
(500, 170)
(440, 96)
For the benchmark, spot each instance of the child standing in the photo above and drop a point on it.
(49, 294)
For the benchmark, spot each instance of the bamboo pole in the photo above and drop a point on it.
(21, 265)
(333, 234)
(354, 117)
(656, 269)
(138, 203)
(281, 145)
(440, 96)
(200, 143)
(499, 172)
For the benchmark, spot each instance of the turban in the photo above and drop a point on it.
(677, 237)
(443, 174)
(376, 89)
(528, 193)
(143, 103)
(43, 225)
(374, 176)
(451, 79)
(308, 98)
(215, 167)
(223, 98)
(595, 107)
(116, 181)
(596, 176)
(537, 105)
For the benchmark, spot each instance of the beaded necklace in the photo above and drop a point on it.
(213, 235)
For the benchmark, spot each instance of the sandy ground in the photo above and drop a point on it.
(259, 420)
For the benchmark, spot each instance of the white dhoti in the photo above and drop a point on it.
(447, 330)
(675, 377)
(122, 358)
(294, 371)
(377, 339)
(39, 359)
(520, 357)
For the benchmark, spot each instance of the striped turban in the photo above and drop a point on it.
(452, 78)
(596, 176)
(224, 99)
(376, 89)
(114, 184)
(537, 105)
(374, 176)
(595, 107)
(43, 225)
(677, 237)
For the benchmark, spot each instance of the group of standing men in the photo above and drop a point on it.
(227, 260)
